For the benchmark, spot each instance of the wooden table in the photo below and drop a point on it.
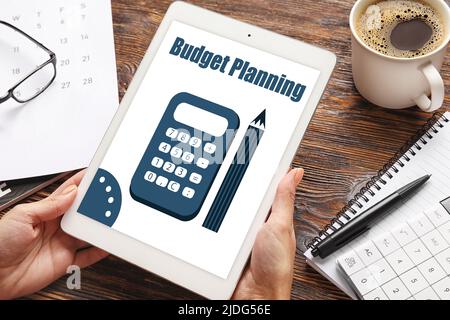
(347, 141)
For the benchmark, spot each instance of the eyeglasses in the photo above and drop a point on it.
(38, 80)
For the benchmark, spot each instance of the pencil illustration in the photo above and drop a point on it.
(235, 173)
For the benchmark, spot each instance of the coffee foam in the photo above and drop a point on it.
(375, 25)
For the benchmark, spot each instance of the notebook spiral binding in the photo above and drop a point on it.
(409, 149)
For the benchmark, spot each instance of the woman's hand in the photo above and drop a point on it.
(34, 251)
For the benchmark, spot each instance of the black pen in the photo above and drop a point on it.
(364, 220)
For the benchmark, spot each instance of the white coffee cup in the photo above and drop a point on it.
(398, 83)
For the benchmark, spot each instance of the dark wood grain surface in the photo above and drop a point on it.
(347, 141)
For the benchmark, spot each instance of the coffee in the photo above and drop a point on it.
(401, 28)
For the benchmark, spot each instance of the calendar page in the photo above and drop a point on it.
(61, 129)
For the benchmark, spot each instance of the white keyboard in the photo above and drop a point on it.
(412, 261)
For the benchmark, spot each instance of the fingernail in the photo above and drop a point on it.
(69, 189)
(298, 176)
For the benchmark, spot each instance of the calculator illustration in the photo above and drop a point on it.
(184, 156)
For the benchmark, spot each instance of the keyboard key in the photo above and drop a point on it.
(150, 176)
(169, 167)
(432, 271)
(386, 244)
(364, 281)
(414, 281)
(195, 142)
(195, 178)
(396, 290)
(417, 252)
(157, 162)
(210, 148)
(376, 294)
(421, 225)
(187, 157)
(400, 261)
(172, 133)
(350, 262)
(444, 260)
(442, 288)
(382, 271)
(438, 216)
(164, 147)
(427, 294)
(173, 186)
(162, 181)
(404, 234)
(183, 137)
(434, 242)
(202, 163)
(176, 152)
(445, 231)
(180, 172)
(368, 253)
(188, 192)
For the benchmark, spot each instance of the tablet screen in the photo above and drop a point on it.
(199, 146)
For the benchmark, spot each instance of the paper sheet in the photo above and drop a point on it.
(62, 128)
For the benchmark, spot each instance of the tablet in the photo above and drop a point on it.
(188, 169)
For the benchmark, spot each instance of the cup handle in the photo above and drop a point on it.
(437, 90)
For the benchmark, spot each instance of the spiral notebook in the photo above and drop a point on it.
(428, 152)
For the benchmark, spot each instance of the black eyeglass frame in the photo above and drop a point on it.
(51, 60)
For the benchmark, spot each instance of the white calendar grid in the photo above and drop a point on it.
(410, 262)
(61, 129)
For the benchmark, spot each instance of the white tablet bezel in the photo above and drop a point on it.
(154, 260)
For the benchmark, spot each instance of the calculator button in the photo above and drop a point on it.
(432, 271)
(364, 281)
(382, 271)
(417, 252)
(188, 157)
(427, 294)
(173, 186)
(180, 172)
(210, 148)
(183, 137)
(386, 244)
(438, 216)
(202, 163)
(368, 253)
(444, 260)
(176, 152)
(421, 225)
(172, 133)
(188, 192)
(442, 288)
(400, 261)
(445, 231)
(169, 167)
(162, 181)
(150, 176)
(195, 142)
(396, 290)
(404, 234)
(350, 262)
(414, 281)
(376, 294)
(157, 162)
(434, 242)
(195, 178)
(164, 147)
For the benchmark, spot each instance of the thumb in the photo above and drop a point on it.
(51, 207)
(283, 205)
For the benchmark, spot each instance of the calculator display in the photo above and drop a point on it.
(181, 160)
